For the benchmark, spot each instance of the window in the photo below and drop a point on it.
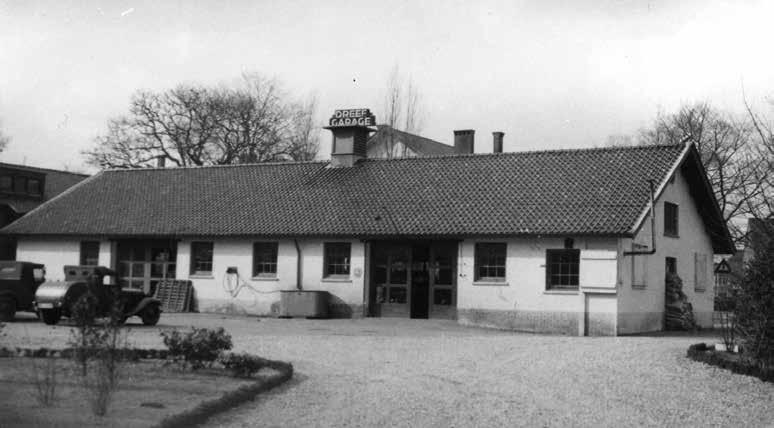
(20, 184)
(670, 265)
(670, 219)
(265, 259)
(34, 187)
(490, 261)
(337, 259)
(89, 253)
(201, 258)
(6, 183)
(562, 267)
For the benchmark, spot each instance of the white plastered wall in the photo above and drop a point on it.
(259, 296)
(56, 253)
(641, 301)
(524, 289)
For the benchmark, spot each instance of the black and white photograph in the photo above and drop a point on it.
(390, 213)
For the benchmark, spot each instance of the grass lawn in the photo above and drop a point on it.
(148, 391)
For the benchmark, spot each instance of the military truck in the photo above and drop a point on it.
(57, 299)
(18, 283)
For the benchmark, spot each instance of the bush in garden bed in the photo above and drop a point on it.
(243, 365)
(706, 354)
(197, 348)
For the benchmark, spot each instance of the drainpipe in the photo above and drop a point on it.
(652, 250)
(298, 266)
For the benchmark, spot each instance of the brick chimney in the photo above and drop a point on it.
(463, 141)
(350, 130)
(497, 141)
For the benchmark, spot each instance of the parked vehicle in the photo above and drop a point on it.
(56, 299)
(18, 283)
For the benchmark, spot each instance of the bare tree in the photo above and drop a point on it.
(402, 109)
(254, 121)
(729, 153)
(762, 206)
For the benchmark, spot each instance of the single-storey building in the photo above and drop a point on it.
(568, 241)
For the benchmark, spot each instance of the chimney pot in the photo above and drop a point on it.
(464, 141)
(497, 141)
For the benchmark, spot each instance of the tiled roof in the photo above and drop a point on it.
(420, 145)
(56, 182)
(590, 191)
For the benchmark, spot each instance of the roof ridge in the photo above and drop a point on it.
(13, 165)
(536, 152)
(237, 165)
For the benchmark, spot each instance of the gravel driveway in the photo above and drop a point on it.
(378, 372)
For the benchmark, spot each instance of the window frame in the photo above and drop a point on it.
(668, 220)
(486, 252)
(558, 252)
(328, 248)
(83, 257)
(202, 245)
(267, 248)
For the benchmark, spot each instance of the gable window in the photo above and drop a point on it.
(337, 259)
(201, 258)
(562, 269)
(265, 259)
(490, 261)
(671, 220)
(89, 253)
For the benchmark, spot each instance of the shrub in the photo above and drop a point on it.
(197, 348)
(99, 350)
(754, 309)
(242, 365)
(45, 380)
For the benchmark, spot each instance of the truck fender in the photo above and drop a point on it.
(143, 304)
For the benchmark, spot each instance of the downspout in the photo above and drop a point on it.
(652, 250)
(299, 269)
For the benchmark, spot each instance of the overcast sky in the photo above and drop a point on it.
(548, 74)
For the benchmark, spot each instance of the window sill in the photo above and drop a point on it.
(200, 276)
(488, 283)
(342, 280)
(669, 235)
(639, 287)
(562, 292)
(699, 290)
(264, 278)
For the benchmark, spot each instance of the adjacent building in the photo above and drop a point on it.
(565, 241)
(22, 189)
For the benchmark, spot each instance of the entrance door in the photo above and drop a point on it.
(389, 280)
(141, 264)
(420, 281)
(416, 280)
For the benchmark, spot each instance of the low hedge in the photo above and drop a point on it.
(131, 354)
(199, 414)
(706, 354)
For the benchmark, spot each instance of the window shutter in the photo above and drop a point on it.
(700, 272)
(599, 268)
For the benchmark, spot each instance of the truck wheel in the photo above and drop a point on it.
(7, 309)
(50, 316)
(151, 315)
